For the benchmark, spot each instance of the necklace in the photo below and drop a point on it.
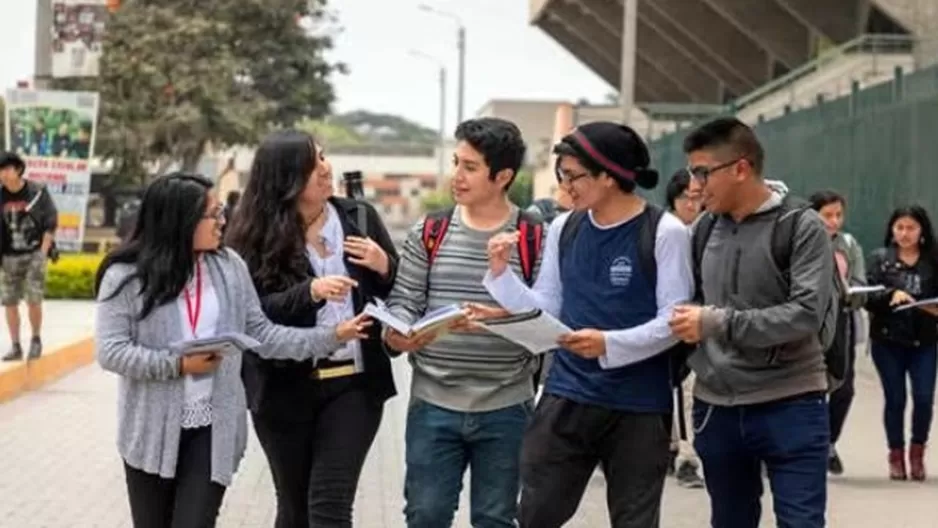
(313, 220)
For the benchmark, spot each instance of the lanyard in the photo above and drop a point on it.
(194, 308)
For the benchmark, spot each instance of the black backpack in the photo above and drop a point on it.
(647, 235)
(834, 336)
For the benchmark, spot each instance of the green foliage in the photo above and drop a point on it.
(72, 277)
(386, 127)
(180, 75)
(330, 133)
(522, 189)
(436, 200)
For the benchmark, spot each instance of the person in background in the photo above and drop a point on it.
(683, 198)
(231, 203)
(181, 417)
(607, 400)
(761, 379)
(471, 393)
(315, 419)
(27, 238)
(831, 207)
(905, 342)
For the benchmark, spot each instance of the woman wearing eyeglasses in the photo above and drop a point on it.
(315, 259)
(181, 418)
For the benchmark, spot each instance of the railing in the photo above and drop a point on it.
(864, 44)
(870, 44)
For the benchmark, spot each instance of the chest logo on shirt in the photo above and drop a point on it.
(620, 271)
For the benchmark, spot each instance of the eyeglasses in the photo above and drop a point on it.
(218, 213)
(568, 179)
(702, 172)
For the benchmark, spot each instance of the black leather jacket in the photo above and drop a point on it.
(909, 327)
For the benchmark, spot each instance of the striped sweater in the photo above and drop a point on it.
(470, 372)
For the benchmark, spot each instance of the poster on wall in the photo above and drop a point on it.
(77, 34)
(54, 132)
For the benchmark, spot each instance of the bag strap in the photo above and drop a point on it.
(702, 231)
(434, 230)
(531, 233)
(647, 240)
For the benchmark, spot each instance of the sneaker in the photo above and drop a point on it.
(15, 353)
(834, 464)
(687, 476)
(35, 348)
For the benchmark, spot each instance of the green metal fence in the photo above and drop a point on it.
(879, 147)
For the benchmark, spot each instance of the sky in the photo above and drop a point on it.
(506, 57)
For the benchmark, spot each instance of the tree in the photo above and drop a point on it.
(180, 75)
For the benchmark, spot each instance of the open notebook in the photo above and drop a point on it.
(438, 320)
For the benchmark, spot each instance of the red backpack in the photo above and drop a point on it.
(529, 243)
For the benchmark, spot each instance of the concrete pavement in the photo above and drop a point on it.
(59, 469)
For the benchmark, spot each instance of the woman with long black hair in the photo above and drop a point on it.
(905, 341)
(831, 207)
(314, 259)
(181, 423)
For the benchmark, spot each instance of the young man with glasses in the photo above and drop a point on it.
(613, 269)
(763, 326)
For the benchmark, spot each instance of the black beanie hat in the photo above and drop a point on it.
(618, 149)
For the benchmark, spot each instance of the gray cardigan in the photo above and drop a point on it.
(151, 392)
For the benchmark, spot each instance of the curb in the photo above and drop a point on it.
(31, 375)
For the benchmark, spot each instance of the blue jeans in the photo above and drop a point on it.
(894, 363)
(791, 437)
(441, 444)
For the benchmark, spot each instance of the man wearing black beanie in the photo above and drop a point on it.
(612, 270)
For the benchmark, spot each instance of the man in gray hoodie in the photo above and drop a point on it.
(761, 375)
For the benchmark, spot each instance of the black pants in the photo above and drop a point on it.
(190, 500)
(562, 448)
(316, 463)
(840, 400)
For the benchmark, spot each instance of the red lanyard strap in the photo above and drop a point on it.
(194, 308)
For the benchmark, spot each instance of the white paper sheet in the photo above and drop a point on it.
(536, 331)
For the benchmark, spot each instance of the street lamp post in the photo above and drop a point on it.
(441, 169)
(461, 48)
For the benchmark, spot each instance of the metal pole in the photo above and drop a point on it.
(461, 94)
(627, 74)
(42, 60)
(442, 154)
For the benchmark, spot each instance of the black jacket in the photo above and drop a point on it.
(909, 327)
(284, 390)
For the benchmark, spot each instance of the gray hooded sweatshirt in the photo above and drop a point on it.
(761, 335)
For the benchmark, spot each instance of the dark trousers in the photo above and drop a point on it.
(316, 464)
(840, 400)
(895, 364)
(564, 444)
(190, 500)
(791, 437)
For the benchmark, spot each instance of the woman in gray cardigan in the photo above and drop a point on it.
(181, 419)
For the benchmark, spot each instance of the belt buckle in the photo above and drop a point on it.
(333, 372)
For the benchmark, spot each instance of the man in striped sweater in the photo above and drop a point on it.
(471, 396)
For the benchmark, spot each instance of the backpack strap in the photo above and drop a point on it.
(647, 237)
(434, 230)
(702, 231)
(783, 234)
(568, 233)
(531, 233)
